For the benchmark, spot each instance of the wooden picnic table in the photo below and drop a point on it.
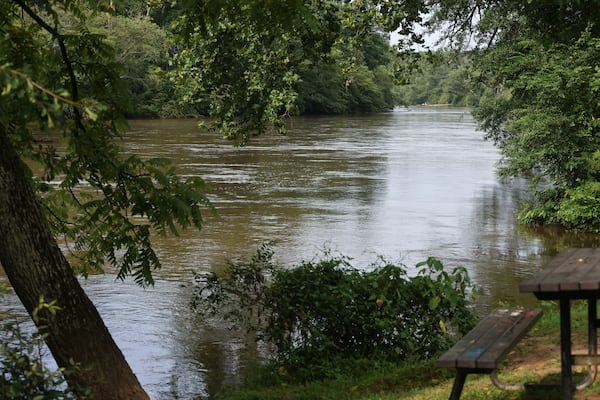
(482, 349)
(572, 274)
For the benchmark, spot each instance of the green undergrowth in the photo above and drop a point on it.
(423, 380)
(327, 318)
(549, 324)
(24, 373)
(377, 381)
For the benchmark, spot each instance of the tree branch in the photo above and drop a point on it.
(63, 51)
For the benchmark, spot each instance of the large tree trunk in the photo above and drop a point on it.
(36, 267)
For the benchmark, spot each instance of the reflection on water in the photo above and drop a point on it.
(406, 185)
(173, 355)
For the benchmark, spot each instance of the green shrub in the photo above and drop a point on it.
(542, 207)
(580, 207)
(575, 208)
(318, 314)
(23, 374)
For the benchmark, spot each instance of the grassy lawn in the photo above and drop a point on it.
(536, 359)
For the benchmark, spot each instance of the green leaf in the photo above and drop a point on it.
(434, 303)
(91, 114)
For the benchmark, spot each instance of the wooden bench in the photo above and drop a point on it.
(482, 349)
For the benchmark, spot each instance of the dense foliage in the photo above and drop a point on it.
(59, 80)
(71, 71)
(540, 74)
(326, 88)
(243, 62)
(317, 312)
(320, 80)
(251, 68)
(547, 126)
(442, 78)
(145, 64)
(76, 96)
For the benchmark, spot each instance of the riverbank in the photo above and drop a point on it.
(536, 359)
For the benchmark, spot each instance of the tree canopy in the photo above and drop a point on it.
(538, 65)
(244, 62)
(60, 77)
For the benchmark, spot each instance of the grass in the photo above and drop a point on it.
(536, 359)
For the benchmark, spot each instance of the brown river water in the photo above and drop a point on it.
(405, 185)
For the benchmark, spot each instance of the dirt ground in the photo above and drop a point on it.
(541, 357)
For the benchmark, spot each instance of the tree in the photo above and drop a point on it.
(60, 79)
(443, 77)
(242, 60)
(144, 61)
(539, 67)
(325, 87)
(140, 59)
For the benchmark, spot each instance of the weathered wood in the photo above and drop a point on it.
(489, 342)
(572, 274)
(497, 350)
(591, 258)
(573, 270)
(485, 346)
(586, 359)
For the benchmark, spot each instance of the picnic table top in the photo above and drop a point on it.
(573, 273)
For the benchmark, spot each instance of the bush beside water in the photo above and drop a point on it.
(321, 318)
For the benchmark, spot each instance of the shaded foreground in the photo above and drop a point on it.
(536, 359)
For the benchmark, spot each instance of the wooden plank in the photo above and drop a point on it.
(586, 359)
(484, 327)
(582, 273)
(505, 319)
(500, 348)
(491, 339)
(560, 271)
(533, 284)
(567, 276)
(590, 259)
(572, 270)
(578, 275)
(450, 357)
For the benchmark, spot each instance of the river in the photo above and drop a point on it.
(405, 185)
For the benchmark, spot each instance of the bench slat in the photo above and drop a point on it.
(485, 345)
(469, 343)
(500, 348)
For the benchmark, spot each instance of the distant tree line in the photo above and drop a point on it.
(325, 86)
(442, 77)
